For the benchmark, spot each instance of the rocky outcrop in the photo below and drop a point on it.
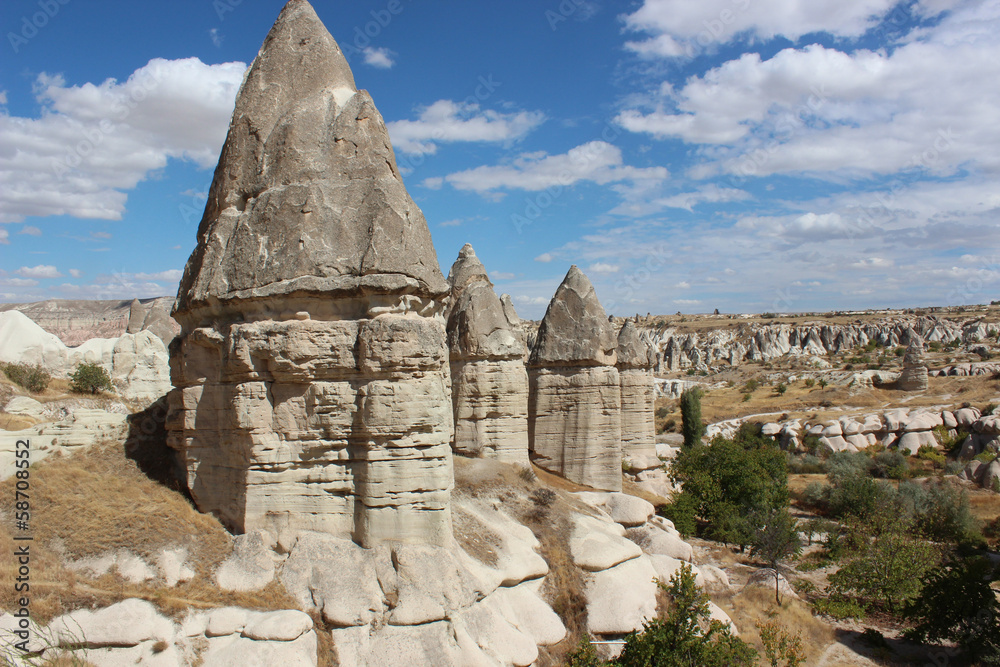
(312, 368)
(574, 413)
(638, 389)
(140, 367)
(489, 380)
(914, 375)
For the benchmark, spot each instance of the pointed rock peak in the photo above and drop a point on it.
(136, 315)
(509, 311)
(307, 198)
(633, 351)
(466, 270)
(575, 329)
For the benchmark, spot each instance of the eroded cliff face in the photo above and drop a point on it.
(311, 374)
(638, 390)
(489, 380)
(574, 410)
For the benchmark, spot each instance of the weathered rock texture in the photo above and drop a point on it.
(312, 367)
(574, 408)
(914, 375)
(635, 363)
(489, 380)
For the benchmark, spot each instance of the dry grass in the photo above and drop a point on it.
(755, 605)
(98, 501)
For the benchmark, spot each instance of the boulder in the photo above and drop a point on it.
(127, 623)
(250, 567)
(23, 405)
(140, 368)
(654, 540)
(311, 370)
(622, 598)
(574, 410)
(598, 545)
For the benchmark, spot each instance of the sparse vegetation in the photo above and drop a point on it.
(33, 378)
(90, 378)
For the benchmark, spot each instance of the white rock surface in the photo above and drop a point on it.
(598, 545)
(620, 599)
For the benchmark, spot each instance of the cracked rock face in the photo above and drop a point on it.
(635, 363)
(312, 371)
(489, 380)
(574, 408)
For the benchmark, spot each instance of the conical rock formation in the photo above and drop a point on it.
(574, 408)
(312, 367)
(489, 380)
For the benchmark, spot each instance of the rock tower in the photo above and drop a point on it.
(489, 380)
(914, 375)
(635, 371)
(574, 413)
(311, 371)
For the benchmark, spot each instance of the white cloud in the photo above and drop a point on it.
(708, 194)
(545, 257)
(216, 37)
(40, 271)
(76, 273)
(18, 282)
(30, 231)
(93, 143)
(451, 223)
(603, 268)
(684, 28)
(683, 285)
(818, 109)
(596, 161)
(448, 121)
(687, 302)
(4, 237)
(501, 275)
(378, 57)
(3, 97)
(172, 275)
(532, 300)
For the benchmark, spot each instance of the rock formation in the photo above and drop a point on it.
(638, 388)
(136, 316)
(311, 371)
(489, 381)
(914, 376)
(574, 413)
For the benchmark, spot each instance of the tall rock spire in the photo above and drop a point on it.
(574, 408)
(311, 372)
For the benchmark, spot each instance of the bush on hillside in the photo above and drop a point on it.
(691, 424)
(33, 378)
(90, 379)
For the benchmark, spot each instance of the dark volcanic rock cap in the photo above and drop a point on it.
(575, 329)
(307, 198)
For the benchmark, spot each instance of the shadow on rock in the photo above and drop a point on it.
(146, 444)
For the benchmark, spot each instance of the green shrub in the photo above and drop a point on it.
(584, 655)
(747, 397)
(662, 412)
(822, 383)
(682, 512)
(806, 464)
(810, 382)
(780, 388)
(685, 634)
(929, 453)
(33, 378)
(751, 385)
(90, 379)
(889, 464)
(839, 607)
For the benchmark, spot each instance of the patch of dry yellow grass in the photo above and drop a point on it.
(98, 501)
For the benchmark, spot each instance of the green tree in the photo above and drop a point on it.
(780, 645)
(958, 605)
(885, 562)
(90, 379)
(731, 484)
(691, 425)
(685, 636)
(33, 378)
(776, 540)
(584, 655)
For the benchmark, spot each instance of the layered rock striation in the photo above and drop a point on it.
(311, 371)
(574, 409)
(638, 394)
(489, 380)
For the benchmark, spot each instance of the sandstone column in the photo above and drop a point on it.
(489, 380)
(311, 371)
(635, 363)
(574, 409)
(914, 375)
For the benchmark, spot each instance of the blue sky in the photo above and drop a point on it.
(746, 155)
